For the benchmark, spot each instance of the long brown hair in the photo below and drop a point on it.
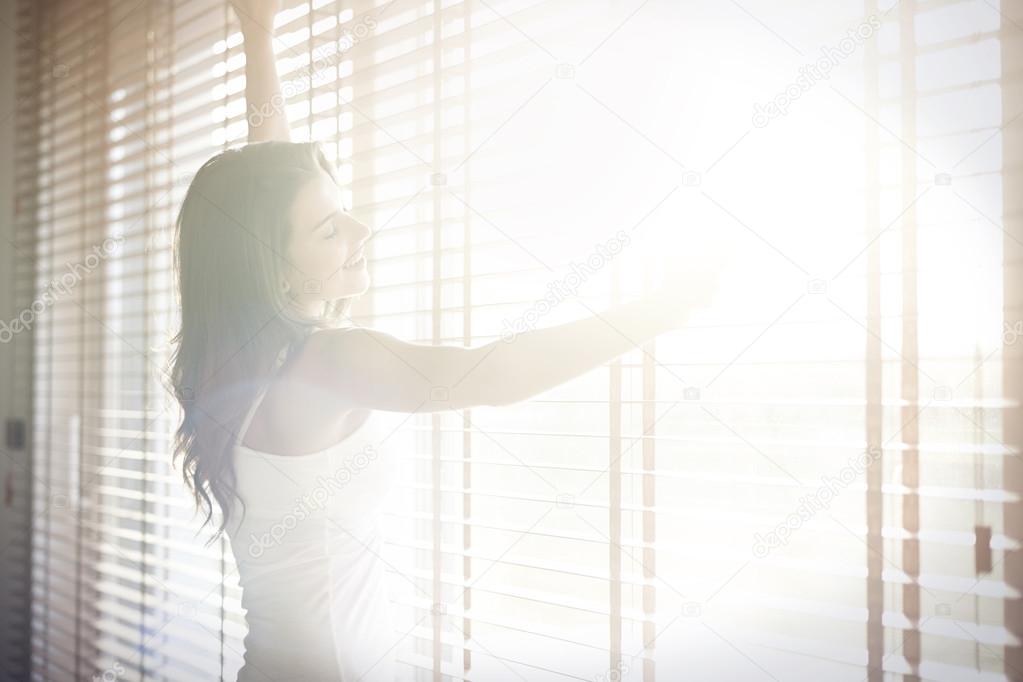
(231, 236)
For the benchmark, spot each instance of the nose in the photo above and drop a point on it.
(360, 231)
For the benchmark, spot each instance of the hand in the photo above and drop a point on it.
(256, 14)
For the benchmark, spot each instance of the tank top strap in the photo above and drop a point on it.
(282, 357)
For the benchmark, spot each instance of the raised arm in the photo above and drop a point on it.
(264, 104)
(365, 368)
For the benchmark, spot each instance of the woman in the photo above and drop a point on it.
(279, 395)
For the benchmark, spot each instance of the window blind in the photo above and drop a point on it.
(816, 479)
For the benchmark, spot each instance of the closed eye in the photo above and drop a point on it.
(327, 226)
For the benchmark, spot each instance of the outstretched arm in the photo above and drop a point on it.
(365, 368)
(266, 113)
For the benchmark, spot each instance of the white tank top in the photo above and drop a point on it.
(308, 552)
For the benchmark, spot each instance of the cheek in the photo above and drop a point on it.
(319, 258)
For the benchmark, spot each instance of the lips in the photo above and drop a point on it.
(356, 261)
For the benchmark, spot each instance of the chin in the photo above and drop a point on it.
(356, 283)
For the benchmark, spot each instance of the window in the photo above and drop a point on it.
(813, 480)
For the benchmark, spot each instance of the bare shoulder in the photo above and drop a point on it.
(325, 354)
(359, 367)
(344, 360)
(346, 348)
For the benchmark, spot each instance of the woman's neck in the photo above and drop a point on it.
(312, 310)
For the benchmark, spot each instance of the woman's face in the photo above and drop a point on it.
(325, 258)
